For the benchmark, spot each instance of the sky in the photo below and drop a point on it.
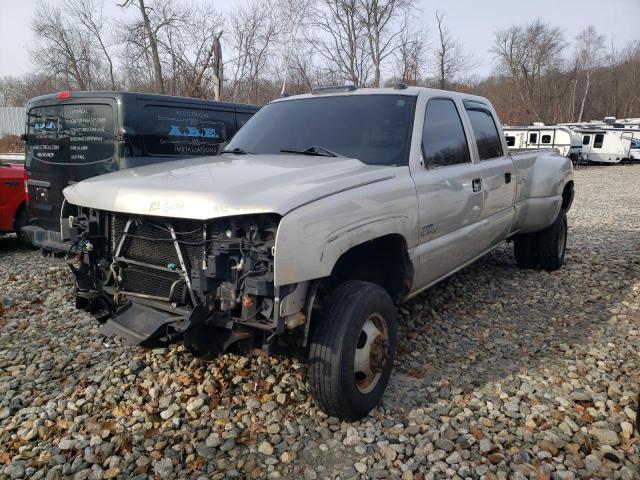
(473, 22)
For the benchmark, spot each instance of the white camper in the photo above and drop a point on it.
(601, 145)
(562, 138)
(628, 130)
(634, 149)
(629, 134)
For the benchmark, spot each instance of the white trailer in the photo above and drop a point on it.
(601, 145)
(537, 136)
(629, 134)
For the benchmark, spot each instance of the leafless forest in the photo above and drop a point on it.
(181, 48)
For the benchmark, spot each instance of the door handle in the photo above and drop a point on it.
(476, 184)
(507, 177)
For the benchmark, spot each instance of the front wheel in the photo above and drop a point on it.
(352, 350)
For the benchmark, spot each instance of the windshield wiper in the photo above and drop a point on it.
(237, 151)
(313, 150)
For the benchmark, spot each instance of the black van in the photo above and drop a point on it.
(71, 136)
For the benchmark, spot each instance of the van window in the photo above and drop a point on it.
(511, 140)
(443, 139)
(169, 130)
(598, 140)
(533, 138)
(80, 136)
(545, 139)
(586, 139)
(243, 118)
(485, 131)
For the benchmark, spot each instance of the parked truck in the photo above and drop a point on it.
(324, 212)
(13, 199)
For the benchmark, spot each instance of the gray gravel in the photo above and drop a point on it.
(501, 374)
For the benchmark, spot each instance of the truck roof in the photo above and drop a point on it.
(141, 96)
(511, 128)
(348, 90)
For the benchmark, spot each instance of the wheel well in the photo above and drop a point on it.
(22, 207)
(567, 196)
(383, 261)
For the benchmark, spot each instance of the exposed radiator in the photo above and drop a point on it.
(148, 259)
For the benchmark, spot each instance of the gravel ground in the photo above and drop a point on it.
(501, 373)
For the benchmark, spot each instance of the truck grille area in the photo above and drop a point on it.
(147, 255)
(147, 281)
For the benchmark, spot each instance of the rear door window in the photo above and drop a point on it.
(176, 130)
(586, 139)
(485, 131)
(533, 138)
(79, 135)
(598, 140)
(443, 139)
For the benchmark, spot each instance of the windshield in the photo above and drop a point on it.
(374, 129)
(77, 136)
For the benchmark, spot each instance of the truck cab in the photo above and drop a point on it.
(13, 198)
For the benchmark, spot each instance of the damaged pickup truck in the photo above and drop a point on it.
(325, 211)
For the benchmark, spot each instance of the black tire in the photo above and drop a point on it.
(336, 387)
(553, 243)
(21, 220)
(526, 250)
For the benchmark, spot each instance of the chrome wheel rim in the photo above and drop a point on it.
(371, 352)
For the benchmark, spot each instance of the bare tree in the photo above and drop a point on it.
(292, 15)
(450, 58)
(190, 45)
(64, 50)
(159, 11)
(525, 55)
(589, 47)
(410, 55)
(379, 18)
(342, 40)
(253, 32)
(89, 14)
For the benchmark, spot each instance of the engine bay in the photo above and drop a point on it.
(195, 274)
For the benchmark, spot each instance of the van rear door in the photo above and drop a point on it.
(66, 143)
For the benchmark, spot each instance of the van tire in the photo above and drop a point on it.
(526, 250)
(553, 243)
(359, 316)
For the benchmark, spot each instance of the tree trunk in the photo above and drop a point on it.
(584, 97)
(218, 68)
(153, 45)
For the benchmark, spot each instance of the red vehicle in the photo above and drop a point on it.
(13, 198)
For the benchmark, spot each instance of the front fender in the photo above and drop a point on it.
(311, 238)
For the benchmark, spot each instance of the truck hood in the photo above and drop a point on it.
(211, 187)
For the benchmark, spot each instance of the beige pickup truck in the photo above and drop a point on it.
(324, 212)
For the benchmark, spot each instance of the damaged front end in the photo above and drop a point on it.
(155, 280)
